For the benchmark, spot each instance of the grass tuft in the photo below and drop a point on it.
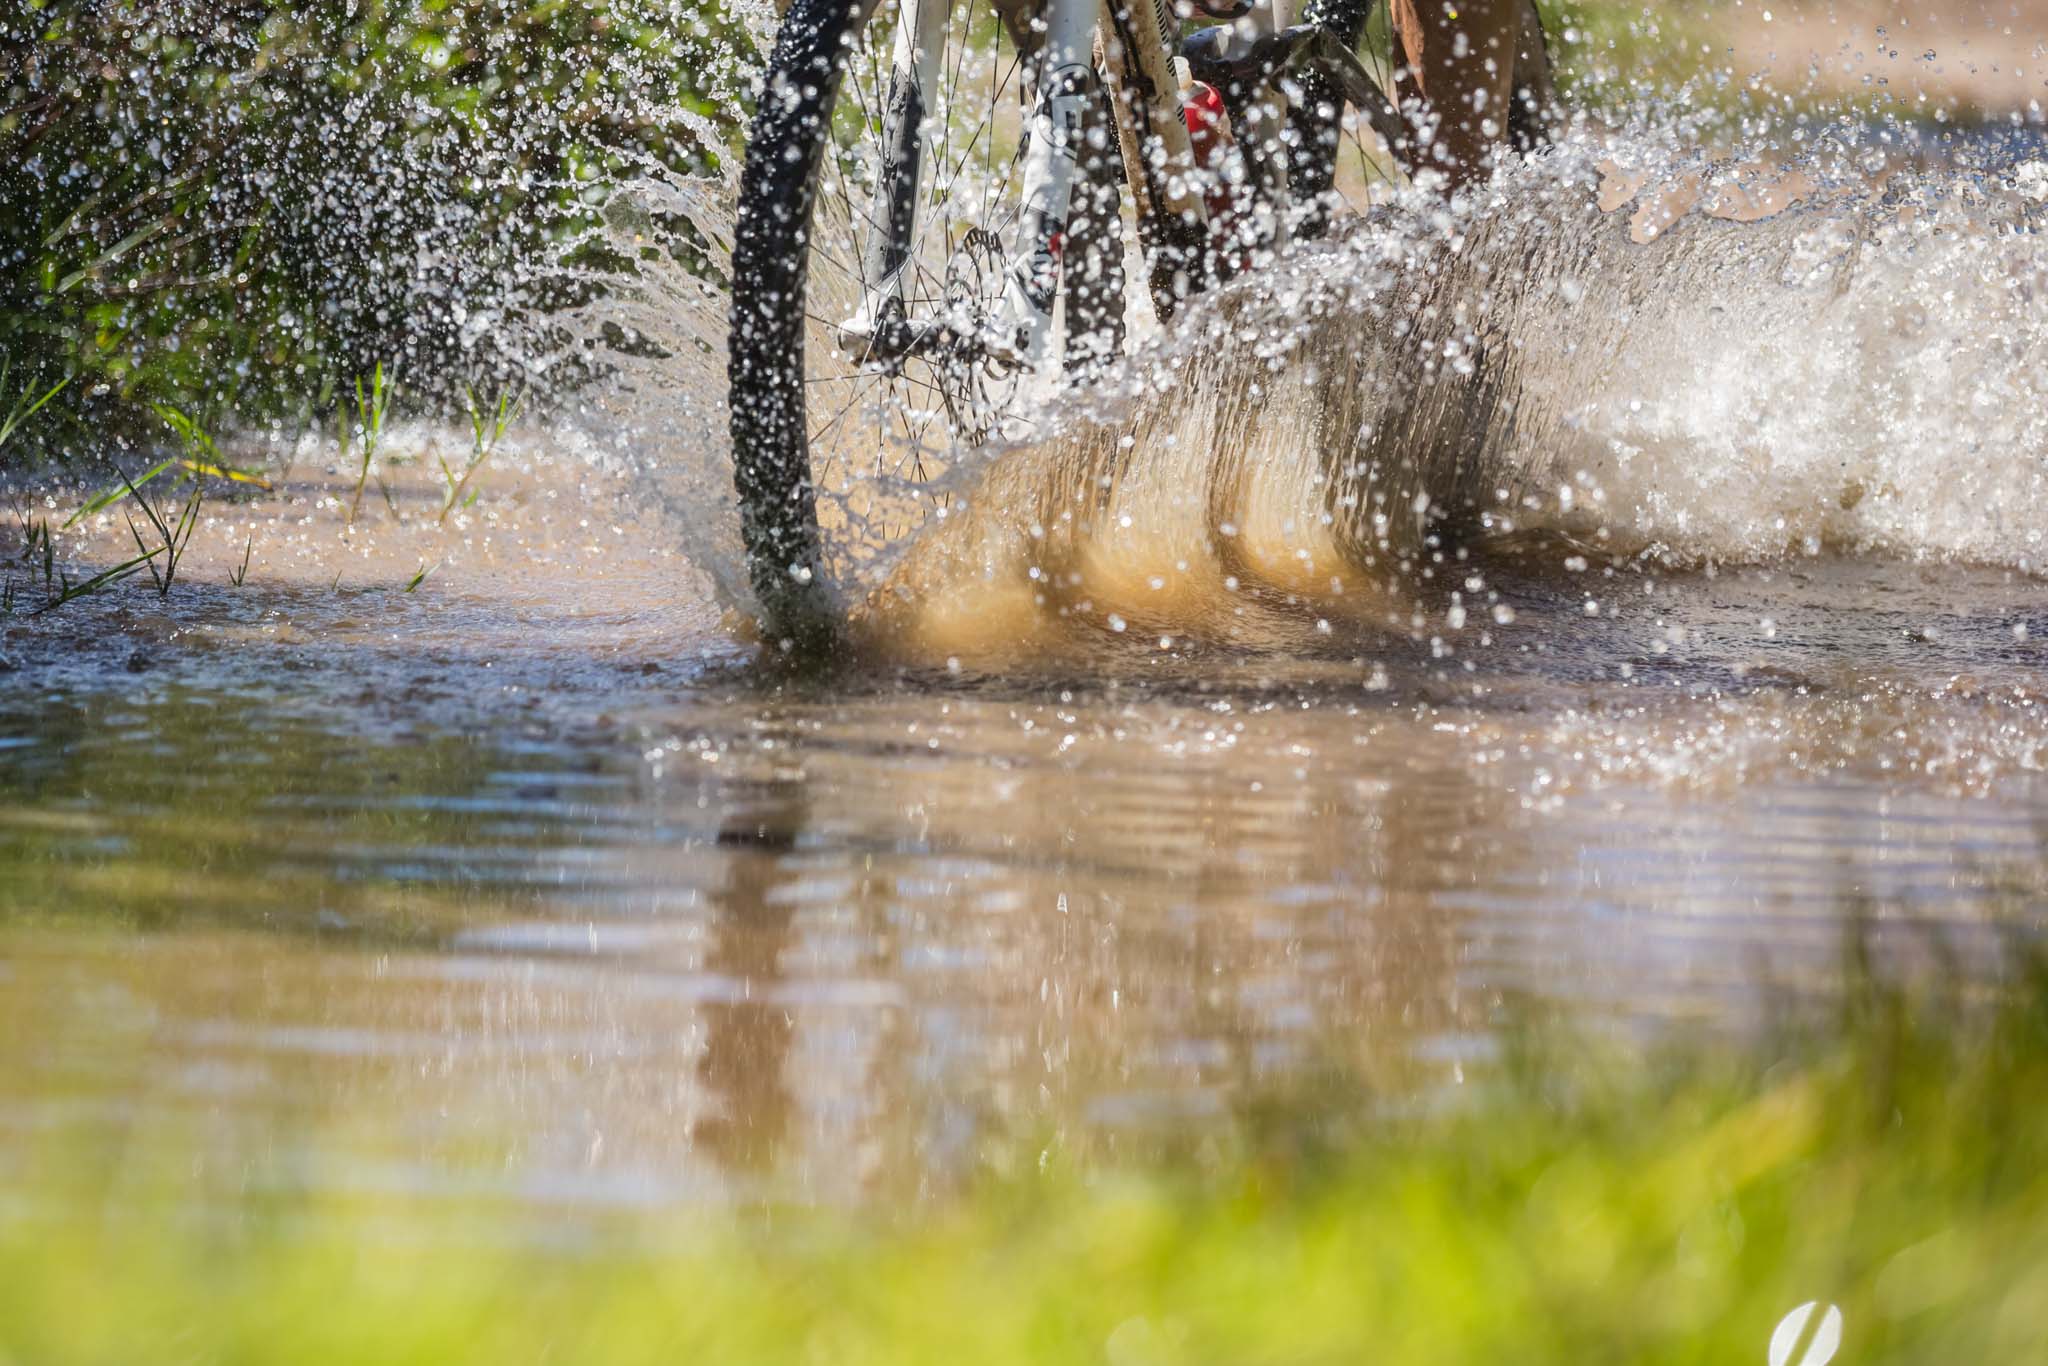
(487, 426)
(372, 404)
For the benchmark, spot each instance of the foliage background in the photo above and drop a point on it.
(239, 206)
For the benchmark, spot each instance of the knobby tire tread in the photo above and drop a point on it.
(765, 367)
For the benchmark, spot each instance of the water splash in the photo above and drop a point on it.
(1626, 342)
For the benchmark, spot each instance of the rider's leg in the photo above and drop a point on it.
(1457, 51)
(1532, 119)
(1458, 58)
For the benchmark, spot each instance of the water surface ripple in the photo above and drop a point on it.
(626, 925)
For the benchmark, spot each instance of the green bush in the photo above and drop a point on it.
(239, 205)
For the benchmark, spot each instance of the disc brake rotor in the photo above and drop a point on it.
(978, 388)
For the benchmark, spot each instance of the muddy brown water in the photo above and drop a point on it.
(529, 883)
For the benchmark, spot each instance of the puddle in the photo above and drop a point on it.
(530, 865)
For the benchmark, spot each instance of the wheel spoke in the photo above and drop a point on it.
(921, 404)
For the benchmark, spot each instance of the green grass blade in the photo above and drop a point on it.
(107, 497)
(72, 592)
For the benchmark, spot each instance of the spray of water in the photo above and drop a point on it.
(1625, 342)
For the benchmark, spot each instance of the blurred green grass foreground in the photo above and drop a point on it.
(1563, 1206)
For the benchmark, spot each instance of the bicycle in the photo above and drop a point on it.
(945, 256)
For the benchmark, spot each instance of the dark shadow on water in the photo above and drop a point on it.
(747, 1040)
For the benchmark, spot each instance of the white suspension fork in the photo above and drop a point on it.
(1159, 164)
(1066, 93)
(913, 81)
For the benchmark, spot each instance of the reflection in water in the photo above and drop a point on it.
(836, 945)
(747, 1035)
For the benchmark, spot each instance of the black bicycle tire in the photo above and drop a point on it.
(765, 349)
(772, 473)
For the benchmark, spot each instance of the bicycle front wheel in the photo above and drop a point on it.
(878, 219)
